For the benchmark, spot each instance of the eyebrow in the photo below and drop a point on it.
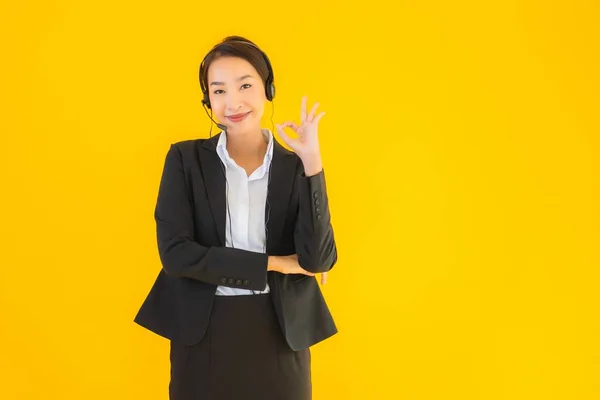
(239, 79)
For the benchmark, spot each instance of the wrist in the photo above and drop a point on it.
(313, 167)
(273, 263)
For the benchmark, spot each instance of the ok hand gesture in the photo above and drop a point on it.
(306, 146)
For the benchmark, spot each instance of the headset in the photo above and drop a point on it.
(269, 83)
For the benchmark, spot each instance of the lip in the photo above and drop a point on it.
(237, 117)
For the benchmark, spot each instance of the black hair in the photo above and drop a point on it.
(236, 46)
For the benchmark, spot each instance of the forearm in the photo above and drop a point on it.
(224, 266)
(313, 235)
(313, 166)
(181, 255)
(274, 263)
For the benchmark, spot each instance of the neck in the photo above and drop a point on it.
(247, 145)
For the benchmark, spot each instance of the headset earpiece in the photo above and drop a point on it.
(270, 89)
(206, 100)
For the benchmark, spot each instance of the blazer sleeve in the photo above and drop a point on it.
(313, 234)
(183, 257)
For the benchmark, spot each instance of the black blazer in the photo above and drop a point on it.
(190, 227)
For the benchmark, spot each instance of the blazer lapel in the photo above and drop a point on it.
(214, 179)
(280, 185)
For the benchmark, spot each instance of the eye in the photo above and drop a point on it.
(217, 91)
(247, 84)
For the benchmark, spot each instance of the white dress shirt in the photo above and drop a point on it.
(246, 197)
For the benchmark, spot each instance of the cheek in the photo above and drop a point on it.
(257, 113)
(258, 105)
(218, 109)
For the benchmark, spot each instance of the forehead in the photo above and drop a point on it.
(229, 68)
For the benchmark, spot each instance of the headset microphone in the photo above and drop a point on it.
(220, 126)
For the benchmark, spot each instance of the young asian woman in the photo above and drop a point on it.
(243, 229)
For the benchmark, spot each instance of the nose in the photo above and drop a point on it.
(234, 101)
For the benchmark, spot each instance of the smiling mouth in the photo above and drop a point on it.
(237, 117)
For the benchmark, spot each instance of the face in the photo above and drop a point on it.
(235, 88)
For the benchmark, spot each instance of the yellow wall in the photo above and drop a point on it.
(461, 150)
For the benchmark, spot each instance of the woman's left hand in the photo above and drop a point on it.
(307, 143)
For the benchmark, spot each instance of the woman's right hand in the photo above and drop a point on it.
(286, 265)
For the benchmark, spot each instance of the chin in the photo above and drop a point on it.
(248, 125)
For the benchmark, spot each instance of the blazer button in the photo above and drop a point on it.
(315, 194)
(230, 281)
(317, 209)
(238, 282)
(318, 216)
(317, 202)
(246, 282)
(223, 280)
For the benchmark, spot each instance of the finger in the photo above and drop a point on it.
(289, 124)
(303, 109)
(313, 110)
(294, 127)
(284, 136)
(318, 117)
(324, 278)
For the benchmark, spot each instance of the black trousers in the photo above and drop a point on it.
(243, 355)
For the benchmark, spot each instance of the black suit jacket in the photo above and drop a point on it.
(190, 226)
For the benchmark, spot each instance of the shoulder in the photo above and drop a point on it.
(184, 153)
(187, 146)
(187, 150)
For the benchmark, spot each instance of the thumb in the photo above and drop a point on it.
(285, 137)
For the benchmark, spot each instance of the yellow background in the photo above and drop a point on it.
(461, 151)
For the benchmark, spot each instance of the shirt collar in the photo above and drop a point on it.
(224, 154)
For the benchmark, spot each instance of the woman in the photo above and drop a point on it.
(243, 227)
